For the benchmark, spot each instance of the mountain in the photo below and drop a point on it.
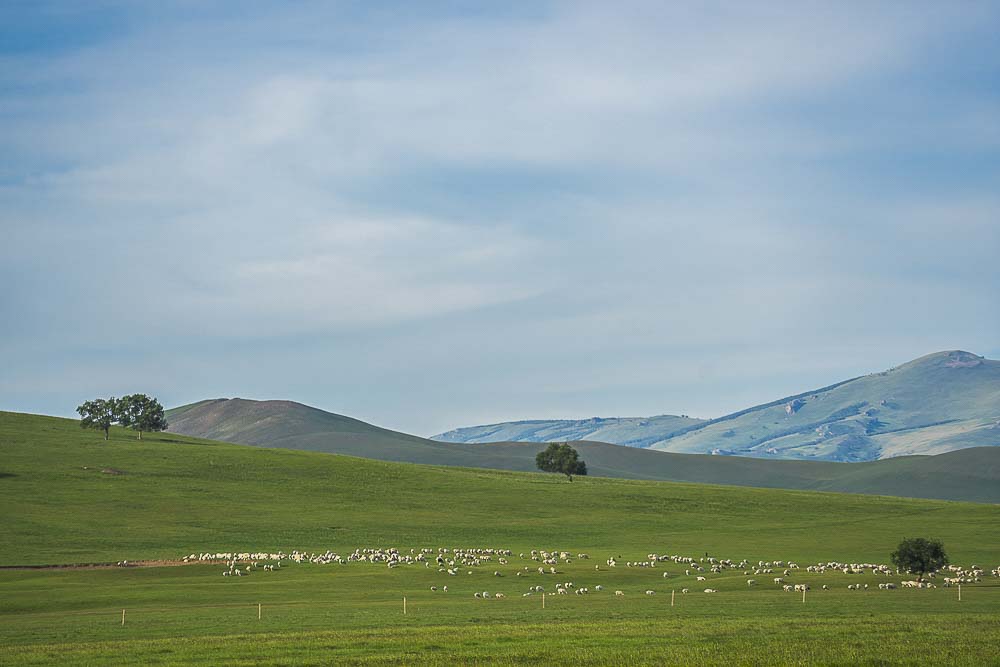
(630, 431)
(937, 403)
(972, 474)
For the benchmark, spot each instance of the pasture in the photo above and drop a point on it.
(170, 496)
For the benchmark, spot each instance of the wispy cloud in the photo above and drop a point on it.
(564, 209)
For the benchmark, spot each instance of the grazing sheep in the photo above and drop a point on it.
(685, 591)
(650, 592)
(620, 593)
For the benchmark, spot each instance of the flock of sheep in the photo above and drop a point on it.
(455, 561)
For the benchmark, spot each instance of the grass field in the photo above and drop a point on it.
(176, 495)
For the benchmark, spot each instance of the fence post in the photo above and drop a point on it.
(672, 598)
(123, 617)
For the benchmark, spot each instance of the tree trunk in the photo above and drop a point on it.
(140, 435)
(106, 429)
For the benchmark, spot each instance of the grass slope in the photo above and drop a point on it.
(972, 476)
(170, 495)
(178, 494)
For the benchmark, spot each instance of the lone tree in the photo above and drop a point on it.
(141, 413)
(99, 413)
(919, 556)
(562, 459)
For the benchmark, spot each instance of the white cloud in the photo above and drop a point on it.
(577, 183)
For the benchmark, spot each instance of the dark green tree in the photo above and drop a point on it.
(561, 459)
(919, 556)
(141, 413)
(99, 413)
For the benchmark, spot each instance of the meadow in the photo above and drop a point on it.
(69, 497)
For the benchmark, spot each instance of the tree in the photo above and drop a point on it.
(99, 413)
(141, 413)
(919, 556)
(562, 459)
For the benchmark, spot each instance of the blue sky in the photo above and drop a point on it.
(468, 212)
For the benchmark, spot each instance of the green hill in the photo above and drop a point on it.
(68, 496)
(974, 475)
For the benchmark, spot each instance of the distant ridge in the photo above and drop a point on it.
(971, 474)
(938, 403)
(629, 431)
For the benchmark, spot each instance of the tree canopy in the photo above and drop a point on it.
(919, 555)
(141, 413)
(99, 413)
(561, 459)
(136, 411)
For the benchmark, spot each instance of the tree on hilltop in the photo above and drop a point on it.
(561, 459)
(141, 413)
(99, 413)
(919, 556)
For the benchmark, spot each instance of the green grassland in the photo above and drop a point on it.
(171, 495)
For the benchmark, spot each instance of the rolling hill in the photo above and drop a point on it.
(973, 474)
(937, 403)
(69, 496)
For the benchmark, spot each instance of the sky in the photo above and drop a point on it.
(441, 214)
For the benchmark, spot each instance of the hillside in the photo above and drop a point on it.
(69, 496)
(934, 404)
(959, 476)
(938, 403)
(629, 431)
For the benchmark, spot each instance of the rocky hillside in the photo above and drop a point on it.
(630, 431)
(937, 403)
